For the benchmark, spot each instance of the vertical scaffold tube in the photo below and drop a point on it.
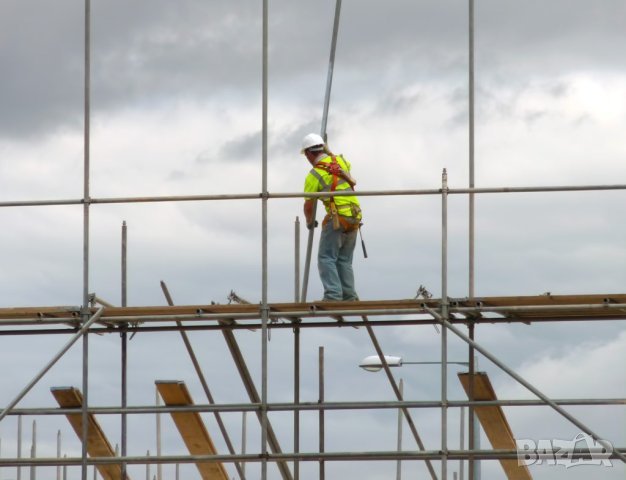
(296, 356)
(322, 474)
(264, 307)
(473, 466)
(124, 340)
(19, 444)
(85, 309)
(444, 333)
(58, 477)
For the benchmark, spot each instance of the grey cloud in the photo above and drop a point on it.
(286, 140)
(147, 53)
(143, 53)
(242, 148)
(398, 102)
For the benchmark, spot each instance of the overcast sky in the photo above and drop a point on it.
(176, 110)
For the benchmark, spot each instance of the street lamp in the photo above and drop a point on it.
(373, 363)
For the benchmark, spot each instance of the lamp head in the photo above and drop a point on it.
(373, 363)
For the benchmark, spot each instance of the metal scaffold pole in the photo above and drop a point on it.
(124, 340)
(321, 429)
(473, 465)
(329, 83)
(444, 333)
(296, 354)
(264, 286)
(86, 193)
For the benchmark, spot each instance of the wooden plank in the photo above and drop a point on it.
(191, 428)
(495, 424)
(97, 443)
(252, 311)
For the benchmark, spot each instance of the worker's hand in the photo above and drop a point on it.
(313, 225)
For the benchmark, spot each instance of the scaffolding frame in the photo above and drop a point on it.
(447, 312)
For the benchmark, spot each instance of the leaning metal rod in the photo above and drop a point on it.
(203, 382)
(520, 380)
(397, 392)
(331, 67)
(329, 84)
(296, 263)
(50, 364)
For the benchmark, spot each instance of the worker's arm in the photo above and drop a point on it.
(309, 207)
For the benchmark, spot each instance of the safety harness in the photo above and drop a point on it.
(334, 169)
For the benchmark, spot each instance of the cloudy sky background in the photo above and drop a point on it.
(176, 110)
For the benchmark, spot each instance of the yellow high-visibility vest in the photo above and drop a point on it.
(320, 180)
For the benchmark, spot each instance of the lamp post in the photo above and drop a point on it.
(373, 364)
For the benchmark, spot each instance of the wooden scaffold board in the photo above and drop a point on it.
(97, 443)
(495, 424)
(191, 428)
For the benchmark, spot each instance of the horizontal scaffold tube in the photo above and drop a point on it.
(314, 406)
(577, 453)
(258, 196)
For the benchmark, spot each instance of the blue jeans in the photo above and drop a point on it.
(334, 261)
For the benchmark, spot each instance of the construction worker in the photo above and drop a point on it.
(331, 173)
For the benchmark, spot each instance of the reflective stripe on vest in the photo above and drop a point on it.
(342, 203)
(325, 186)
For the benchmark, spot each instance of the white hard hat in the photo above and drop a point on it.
(312, 140)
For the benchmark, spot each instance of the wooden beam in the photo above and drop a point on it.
(191, 428)
(252, 311)
(97, 443)
(495, 424)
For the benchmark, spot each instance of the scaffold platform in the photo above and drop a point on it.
(509, 309)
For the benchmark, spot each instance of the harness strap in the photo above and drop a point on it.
(334, 169)
(325, 186)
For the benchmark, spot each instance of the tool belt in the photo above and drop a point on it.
(349, 224)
